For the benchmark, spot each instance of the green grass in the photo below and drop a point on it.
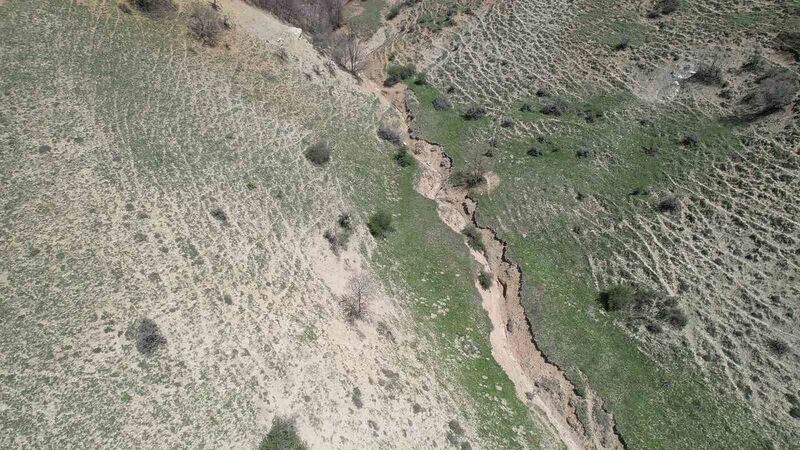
(655, 405)
(428, 262)
(367, 22)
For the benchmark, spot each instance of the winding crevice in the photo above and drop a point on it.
(581, 421)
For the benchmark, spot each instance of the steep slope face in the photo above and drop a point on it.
(146, 177)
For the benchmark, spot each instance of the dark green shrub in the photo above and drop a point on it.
(673, 316)
(777, 346)
(388, 134)
(380, 224)
(154, 6)
(219, 214)
(394, 11)
(345, 221)
(535, 152)
(282, 436)
(707, 74)
(663, 7)
(475, 112)
(422, 79)
(403, 72)
(404, 158)
(148, 337)
(474, 237)
(441, 104)
(670, 203)
(485, 279)
(466, 178)
(319, 153)
(555, 108)
(617, 297)
(624, 43)
(391, 80)
(690, 138)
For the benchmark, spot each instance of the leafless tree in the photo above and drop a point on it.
(357, 299)
(318, 17)
(349, 53)
(204, 23)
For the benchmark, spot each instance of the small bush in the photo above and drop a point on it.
(148, 337)
(535, 152)
(617, 297)
(555, 108)
(777, 346)
(403, 72)
(527, 107)
(475, 113)
(219, 214)
(670, 203)
(662, 8)
(673, 316)
(394, 11)
(388, 134)
(466, 178)
(391, 80)
(204, 23)
(707, 74)
(282, 436)
(319, 153)
(624, 43)
(690, 138)
(584, 152)
(441, 104)
(474, 237)
(422, 79)
(345, 221)
(485, 279)
(154, 6)
(404, 158)
(507, 122)
(380, 224)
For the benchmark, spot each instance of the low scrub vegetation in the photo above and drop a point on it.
(556, 107)
(339, 236)
(396, 73)
(319, 153)
(389, 134)
(282, 436)
(474, 112)
(474, 237)
(706, 73)
(148, 337)
(403, 157)
(380, 224)
(485, 279)
(643, 306)
(662, 8)
(154, 6)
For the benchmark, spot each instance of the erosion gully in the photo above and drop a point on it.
(580, 421)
